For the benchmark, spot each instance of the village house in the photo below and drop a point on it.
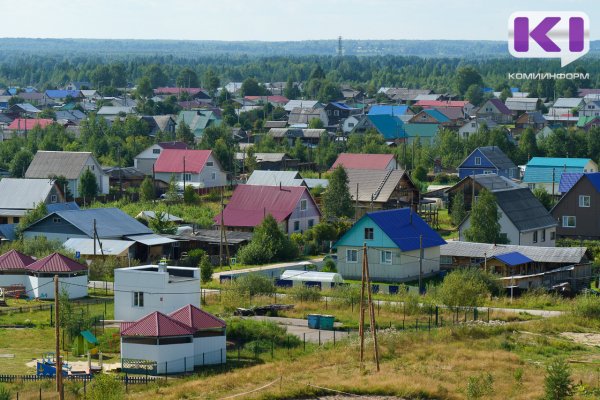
(591, 108)
(545, 172)
(578, 209)
(566, 106)
(145, 161)
(308, 137)
(110, 113)
(24, 110)
(523, 267)
(274, 100)
(19, 196)
(466, 107)
(191, 93)
(534, 120)
(197, 168)
(338, 112)
(429, 116)
(395, 240)
(301, 117)
(158, 124)
(365, 161)
(587, 123)
(293, 208)
(60, 96)
(275, 178)
(20, 126)
(469, 127)
(22, 274)
(268, 161)
(519, 105)
(302, 104)
(495, 110)
(488, 160)
(199, 120)
(70, 165)
(401, 111)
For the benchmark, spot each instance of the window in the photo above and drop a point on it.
(53, 198)
(187, 176)
(138, 299)
(386, 257)
(553, 235)
(3, 220)
(584, 200)
(477, 160)
(210, 163)
(368, 233)
(56, 220)
(311, 223)
(535, 236)
(213, 176)
(446, 260)
(296, 226)
(351, 255)
(155, 151)
(568, 221)
(543, 235)
(303, 205)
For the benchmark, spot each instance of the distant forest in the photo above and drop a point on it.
(51, 63)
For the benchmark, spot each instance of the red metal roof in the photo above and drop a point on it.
(56, 263)
(171, 160)
(270, 99)
(176, 90)
(363, 161)
(441, 103)
(196, 318)
(22, 124)
(156, 324)
(249, 204)
(14, 260)
(173, 145)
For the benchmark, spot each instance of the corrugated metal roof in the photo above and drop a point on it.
(441, 103)
(379, 109)
(152, 215)
(21, 124)
(438, 115)
(171, 160)
(312, 183)
(249, 204)
(513, 258)
(497, 157)
(363, 161)
(558, 162)
(110, 247)
(524, 209)
(14, 260)
(151, 239)
(61, 94)
(405, 228)
(422, 130)
(562, 255)
(376, 185)
(57, 163)
(30, 108)
(115, 110)
(311, 276)
(568, 102)
(390, 126)
(196, 318)
(568, 180)
(301, 103)
(24, 194)
(56, 262)
(156, 324)
(275, 178)
(540, 169)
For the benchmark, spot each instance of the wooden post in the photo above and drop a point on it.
(61, 395)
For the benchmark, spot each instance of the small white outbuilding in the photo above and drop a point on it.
(324, 280)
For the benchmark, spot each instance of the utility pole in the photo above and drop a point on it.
(366, 281)
(94, 235)
(59, 388)
(356, 205)
(553, 176)
(420, 264)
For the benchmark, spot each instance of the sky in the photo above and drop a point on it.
(274, 20)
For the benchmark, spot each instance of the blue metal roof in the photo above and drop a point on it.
(514, 258)
(7, 231)
(60, 94)
(437, 115)
(404, 227)
(568, 180)
(343, 106)
(62, 207)
(558, 162)
(387, 110)
(391, 127)
(540, 169)
(594, 178)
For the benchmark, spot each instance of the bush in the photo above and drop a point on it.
(254, 285)
(268, 244)
(465, 287)
(347, 295)
(194, 257)
(329, 266)
(4, 393)
(248, 330)
(479, 387)
(305, 293)
(558, 384)
(106, 387)
(206, 269)
(587, 306)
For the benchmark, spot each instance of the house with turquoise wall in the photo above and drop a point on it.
(545, 172)
(394, 240)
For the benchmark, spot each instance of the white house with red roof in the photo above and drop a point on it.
(366, 161)
(146, 159)
(37, 276)
(293, 208)
(173, 343)
(199, 168)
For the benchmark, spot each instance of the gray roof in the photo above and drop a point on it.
(312, 183)
(304, 115)
(561, 255)
(57, 163)
(110, 247)
(568, 102)
(148, 215)
(110, 222)
(275, 178)
(301, 103)
(24, 194)
(26, 107)
(70, 115)
(115, 110)
(379, 183)
(263, 157)
(524, 209)
(494, 182)
(296, 132)
(521, 103)
(497, 157)
(275, 124)
(214, 236)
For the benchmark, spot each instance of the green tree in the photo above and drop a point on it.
(315, 123)
(474, 94)
(47, 113)
(147, 190)
(458, 212)
(88, 186)
(337, 201)
(329, 91)
(464, 288)
(251, 87)
(485, 225)
(211, 81)
(38, 212)
(544, 197)
(190, 196)
(20, 163)
(161, 224)
(157, 76)
(558, 384)
(465, 77)
(505, 94)
(143, 89)
(528, 145)
(291, 91)
(420, 174)
(63, 185)
(183, 133)
(206, 269)
(106, 387)
(187, 78)
(268, 244)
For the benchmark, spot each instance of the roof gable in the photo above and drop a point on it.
(56, 262)
(523, 209)
(14, 260)
(24, 194)
(156, 324)
(173, 160)
(58, 163)
(196, 318)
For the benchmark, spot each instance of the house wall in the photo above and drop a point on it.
(51, 230)
(172, 354)
(587, 222)
(311, 213)
(204, 176)
(43, 287)
(153, 285)
(404, 267)
(210, 350)
(146, 159)
(468, 167)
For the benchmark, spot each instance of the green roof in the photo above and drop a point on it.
(583, 121)
(558, 162)
(421, 130)
(89, 336)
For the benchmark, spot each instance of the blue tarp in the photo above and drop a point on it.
(513, 258)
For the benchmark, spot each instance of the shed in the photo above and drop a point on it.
(85, 342)
(323, 280)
